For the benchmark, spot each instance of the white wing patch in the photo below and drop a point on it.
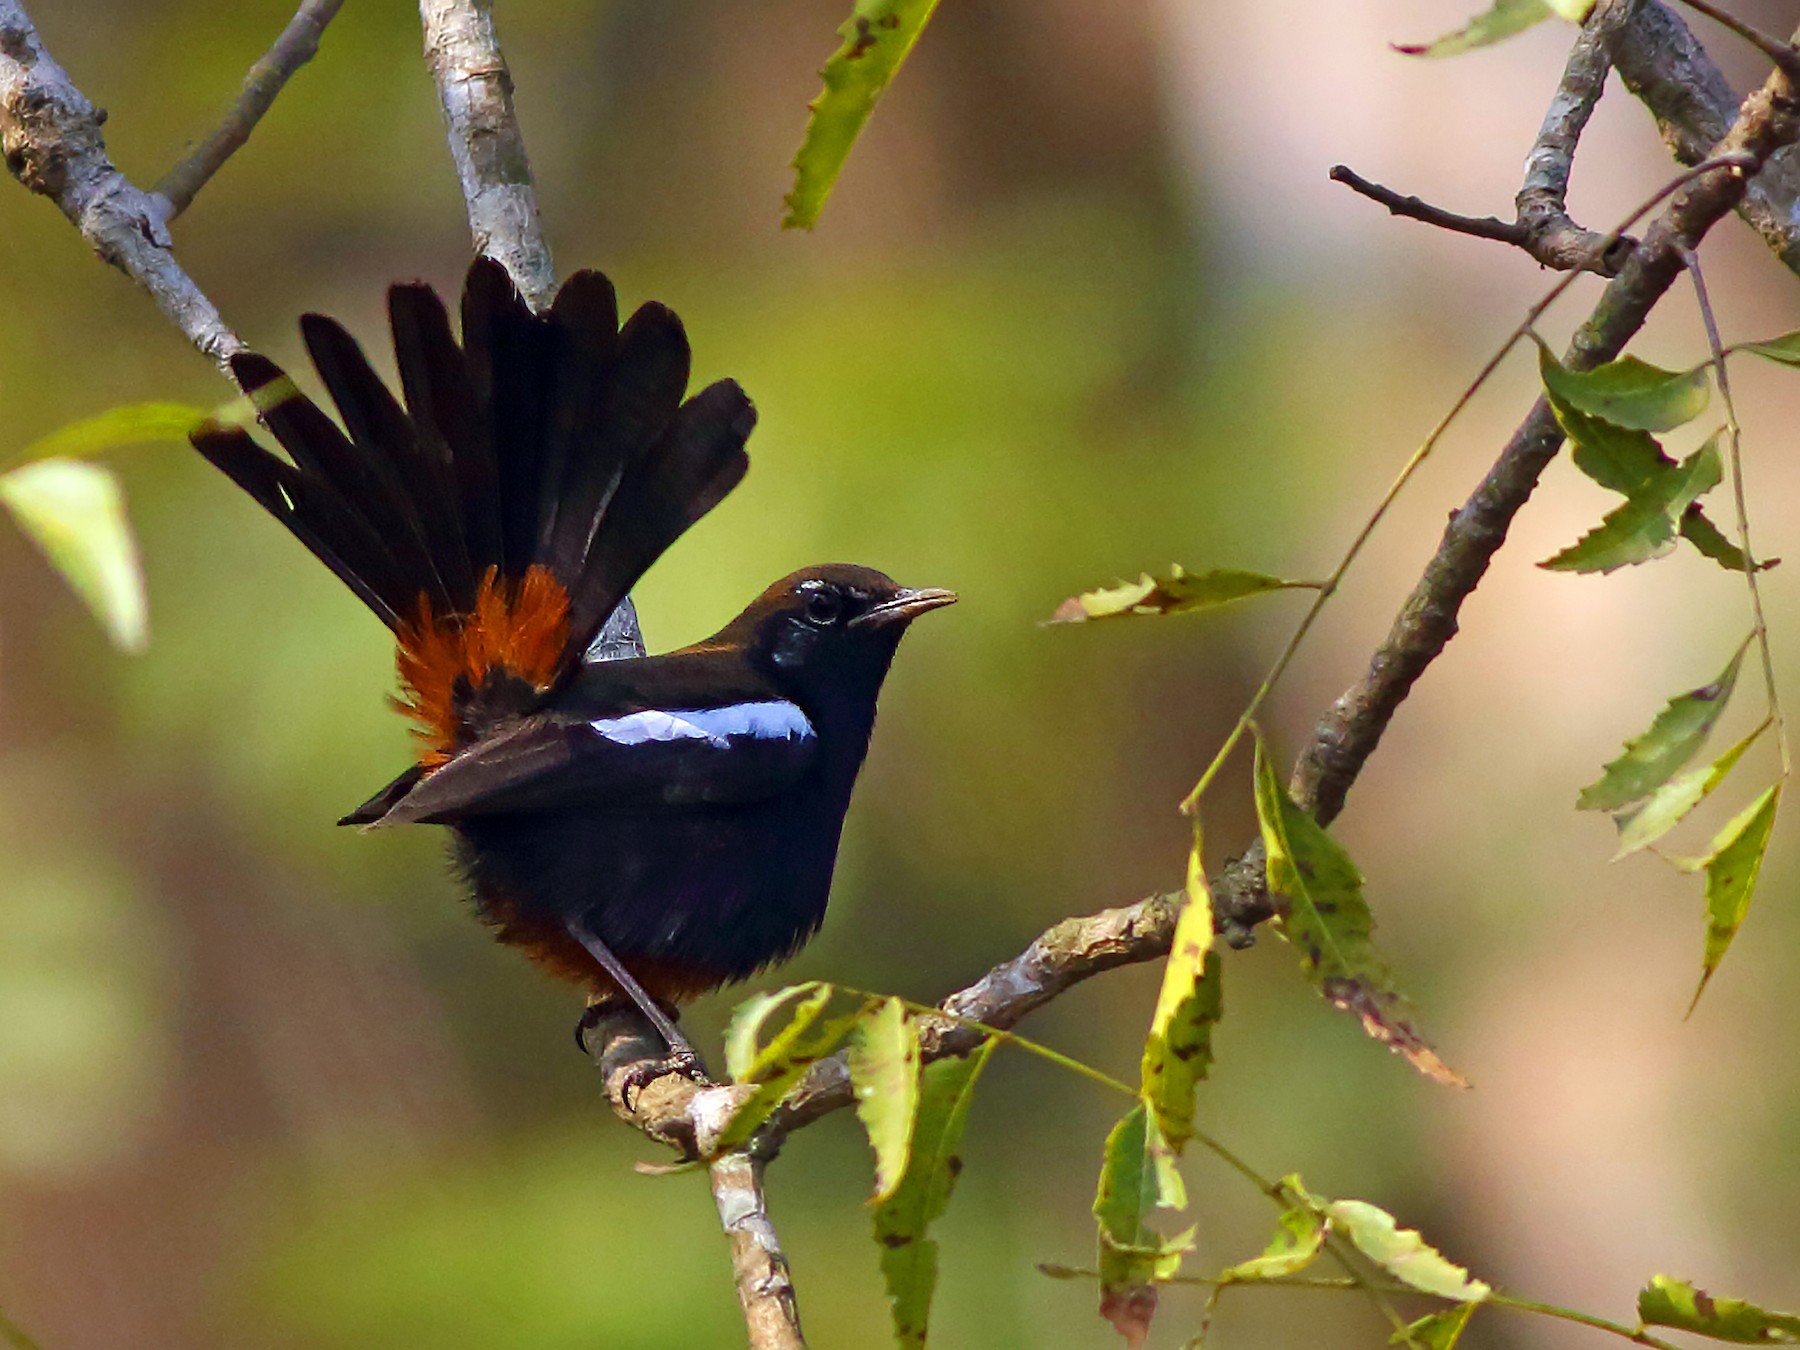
(765, 720)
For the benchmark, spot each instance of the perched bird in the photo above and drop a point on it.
(649, 827)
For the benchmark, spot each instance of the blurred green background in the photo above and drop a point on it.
(1083, 303)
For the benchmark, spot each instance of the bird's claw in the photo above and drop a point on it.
(680, 1061)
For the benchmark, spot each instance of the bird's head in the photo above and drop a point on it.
(828, 633)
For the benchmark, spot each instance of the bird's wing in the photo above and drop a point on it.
(647, 760)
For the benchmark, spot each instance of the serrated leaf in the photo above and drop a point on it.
(1732, 867)
(1667, 1302)
(1329, 921)
(1784, 349)
(1178, 1050)
(878, 37)
(1503, 20)
(775, 1066)
(908, 1257)
(1299, 1237)
(1644, 528)
(1628, 392)
(1665, 808)
(132, 424)
(75, 513)
(1710, 540)
(1439, 1331)
(884, 1075)
(1137, 1177)
(1674, 738)
(1180, 592)
(1402, 1252)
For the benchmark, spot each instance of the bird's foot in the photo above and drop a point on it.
(680, 1061)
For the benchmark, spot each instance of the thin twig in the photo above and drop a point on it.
(298, 44)
(1783, 54)
(1733, 438)
(50, 137)
(765, 1287)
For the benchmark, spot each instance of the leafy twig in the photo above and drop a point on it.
(298, 44)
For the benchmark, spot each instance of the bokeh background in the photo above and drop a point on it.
(1084, 303)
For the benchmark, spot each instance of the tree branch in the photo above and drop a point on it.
(1664, 66)
(298, 44)
(475, 89)
(50, 136)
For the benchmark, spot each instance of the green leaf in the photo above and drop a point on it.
(1178, 1050)
(1628, 392)
(1180, 592)
(1329, 921)
(877, 39)
(1784, 349)
(1506, 18)
(1645, 526)
(1299, 1237)
(776, 1066)
(1663, 809)
(1674, 737)
(1731, 870)
(14, 1335)
(75, 513)
(908, 1257)
(884, 1075)
(1137, 1178)
(1439, 1331)
(1626, 461)
(1666, 1302)
(133, 424)
(1402, 1252)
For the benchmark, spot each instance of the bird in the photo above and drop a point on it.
(650, 828)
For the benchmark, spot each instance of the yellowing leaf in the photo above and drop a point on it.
(1666, 1302)
(1628, 392)
(1674, 738)
(1439, 1331)
(1663, 809)
(908, 1257)
(776, 1066)
(1506, 18)
(1329, 921)
(877, 40)
(1299, 1237)
(1402, 1252)
(1137, 1178)
(1644, 528)
(75, 513)
(1178, 1051)
(1732, 867)
(884, 1075)
(1180, 592)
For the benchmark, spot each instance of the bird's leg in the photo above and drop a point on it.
(682, 1057)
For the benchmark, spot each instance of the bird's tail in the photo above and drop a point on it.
(497, 516)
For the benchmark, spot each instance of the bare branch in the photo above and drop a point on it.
(1664, 66)
(50, 136)
(1783, 54)
(765, 1288)
(298, 44)
(475, 88)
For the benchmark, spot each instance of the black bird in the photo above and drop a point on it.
(651, 827)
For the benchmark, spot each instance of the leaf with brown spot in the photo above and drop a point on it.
(1328, 919)
(1180, 592)
(1178, 1050)
(884, 1075)
(908, 1256)
(1667, 1302)
(1137, 1178)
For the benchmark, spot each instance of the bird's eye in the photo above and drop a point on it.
(824, 607)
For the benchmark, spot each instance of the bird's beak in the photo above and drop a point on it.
(905, 606)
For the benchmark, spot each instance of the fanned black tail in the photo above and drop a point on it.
(559, 441)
